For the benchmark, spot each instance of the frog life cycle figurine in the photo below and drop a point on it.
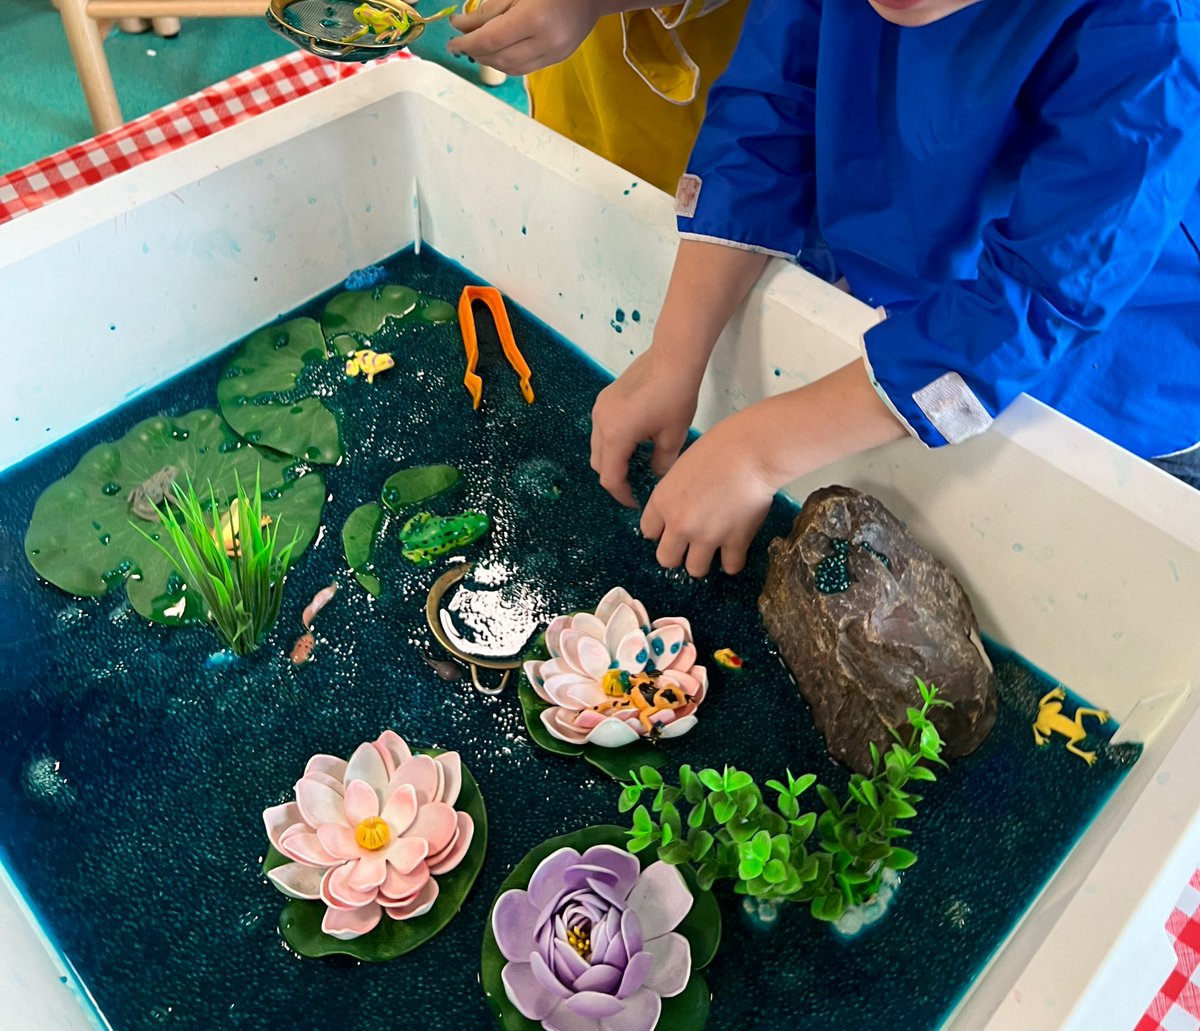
(385, 25)
(1050, 721)
(427, 536)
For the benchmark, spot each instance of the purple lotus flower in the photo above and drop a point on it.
(590, 943)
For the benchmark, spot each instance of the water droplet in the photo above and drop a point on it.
(104, 538)
(109, 489)
(281, 339)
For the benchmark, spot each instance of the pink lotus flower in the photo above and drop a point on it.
(368, 836)
(613, 676)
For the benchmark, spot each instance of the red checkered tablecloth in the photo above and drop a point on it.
(1177, 1005)
(218, 107)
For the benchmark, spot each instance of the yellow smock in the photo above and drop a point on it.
(635, 89)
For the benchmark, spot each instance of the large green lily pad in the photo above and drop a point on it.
(352, 318)
(84, 538)
(255, 392)
(358, 542)
(687, 1011)
(300, 921)
(616, 762)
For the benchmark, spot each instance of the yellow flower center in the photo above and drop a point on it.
(579, 939)
(614, 683)
(373, 833)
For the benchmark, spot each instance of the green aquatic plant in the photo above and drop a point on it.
(83, 534)
(232, 559)
(727, 830)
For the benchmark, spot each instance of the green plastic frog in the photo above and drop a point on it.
(426, 536)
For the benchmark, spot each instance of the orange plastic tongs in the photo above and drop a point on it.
(466, 321)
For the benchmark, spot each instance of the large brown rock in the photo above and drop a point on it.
(858, 610)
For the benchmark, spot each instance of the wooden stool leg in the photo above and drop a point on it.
(87, 49)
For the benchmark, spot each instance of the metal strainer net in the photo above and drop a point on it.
(349, 30)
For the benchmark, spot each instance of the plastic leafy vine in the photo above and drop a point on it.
(718, 821)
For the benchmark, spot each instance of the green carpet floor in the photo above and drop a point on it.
(41, 104)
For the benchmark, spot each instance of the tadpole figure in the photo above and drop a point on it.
(447, 669)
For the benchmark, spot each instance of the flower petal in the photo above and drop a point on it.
(330, 765)
(595, 1005)
(641, 1010)
(514, 925)
(612, 601)
(677, 727)
(419, 906)
(337, 891)
(436, 823)
(279, 818)
(297, 880)
(620, 624)
(451, 764)
(585, 654)
(393, 750)
(633, 653)
(400, 809)
(452, 854)
(405, 853)
(682, 621)
(684, 659)
(573, 690)
(361, 802)
(563, 1019)
(523, 991)
(554, 633)
(545, 977)
(319, 803)
(400, 889)
(368, 872)
(557, 721)
(660, 898)
(588, 624)
(302, 845)
(422, 773)
(599, 977)
(339, 842)
(636, 971)
(672, 964)
(612, 733)
(665, 644)
(546, 883)
(345, 924)
(366, 764)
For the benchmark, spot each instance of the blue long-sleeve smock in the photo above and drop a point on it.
(1016, 185)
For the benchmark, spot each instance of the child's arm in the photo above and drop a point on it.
(655, 398)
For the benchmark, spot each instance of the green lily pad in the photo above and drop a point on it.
(434, 310)
(350, 319)
(256, 392)
(358, 542)
(408, 486)
(84, 538)
(300, 921)
(687, 1011)
(616, 762)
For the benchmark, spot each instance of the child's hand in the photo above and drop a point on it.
(521, 36)
(714, 499)
(654, 399)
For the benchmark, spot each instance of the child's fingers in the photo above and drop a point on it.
(733, 555)
(483, 13)
(611, 463)
(667, 446)
(652, 523)
(671, 550)
(523, 57)
(699, 558)
(502, 30)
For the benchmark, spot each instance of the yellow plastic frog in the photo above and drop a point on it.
(228, 534)
(1050, 720)
(386, 25)
(369, 364)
